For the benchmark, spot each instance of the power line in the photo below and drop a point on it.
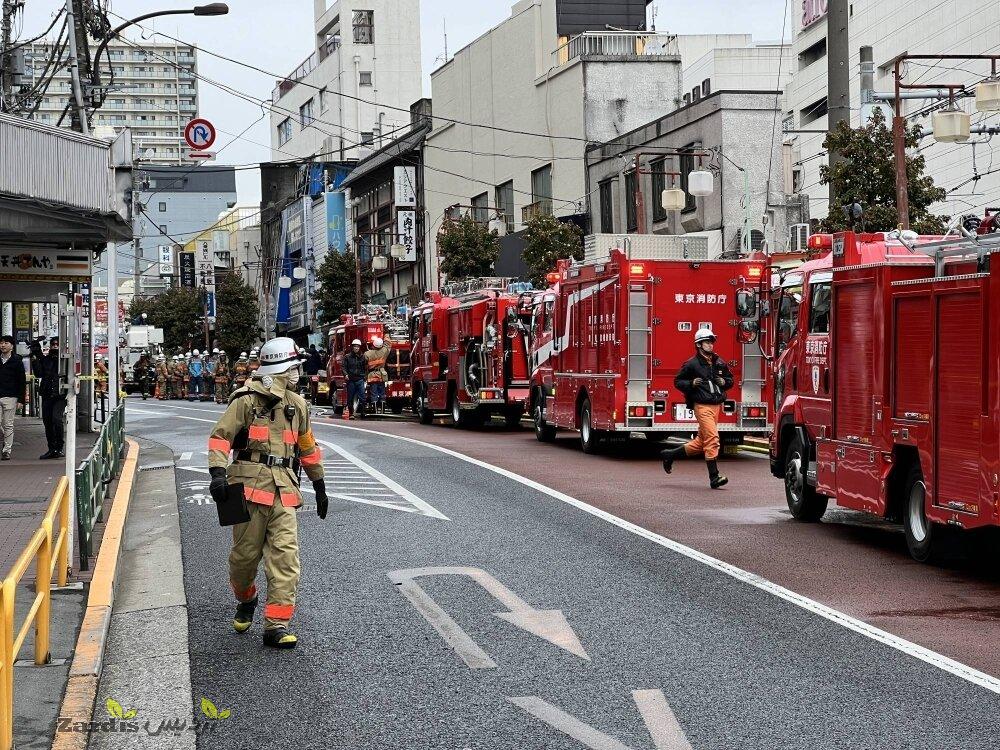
(777, 99)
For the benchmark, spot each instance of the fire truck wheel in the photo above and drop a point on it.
(803, 500)
(460, 418)
(545, 432)
(425, 415)
(922, 536)
(590, 439)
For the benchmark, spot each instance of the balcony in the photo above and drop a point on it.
(541, 207)
(331, 45)
(616, 44)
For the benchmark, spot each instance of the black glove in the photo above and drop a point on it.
(218, 485)
(319, 486)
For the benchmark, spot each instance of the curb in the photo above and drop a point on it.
(88, 656)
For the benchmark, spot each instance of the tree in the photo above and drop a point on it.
(468, 249)
(867, 175)
(236, 314)
(338, 284)
(176, 311)
(547, 240)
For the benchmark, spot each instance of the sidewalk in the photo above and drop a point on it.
(26, 485)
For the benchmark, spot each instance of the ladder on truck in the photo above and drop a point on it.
(752, 385)
(640, 336)
(958, 247)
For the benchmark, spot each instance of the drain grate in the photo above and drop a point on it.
(154, 467)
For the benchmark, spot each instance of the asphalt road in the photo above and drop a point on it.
(611, 637)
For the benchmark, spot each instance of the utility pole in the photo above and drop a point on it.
(75, 25)
(6, 60)
(838, 97)
(136, 236)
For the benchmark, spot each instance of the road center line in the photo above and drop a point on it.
(953, 667)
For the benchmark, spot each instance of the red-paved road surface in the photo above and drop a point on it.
(852, 562)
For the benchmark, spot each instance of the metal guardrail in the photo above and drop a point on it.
(615, 44)
(49, 549)
(93, 480)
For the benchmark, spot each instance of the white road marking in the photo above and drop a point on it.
(186, 456)
(547, 624)
(944, 663)
(656, 714)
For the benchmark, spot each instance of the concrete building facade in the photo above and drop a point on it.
(154, 91)
(893, 28)
(354, 90)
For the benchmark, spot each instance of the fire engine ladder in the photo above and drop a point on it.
(753, 373)
(640, 336)
(959, 247)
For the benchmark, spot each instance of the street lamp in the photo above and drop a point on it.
(212, 9)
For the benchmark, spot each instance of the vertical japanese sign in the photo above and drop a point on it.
(405, 182)
(187, 270)
(336, 222)
(166, 260)
(406, 228)
(205, 269)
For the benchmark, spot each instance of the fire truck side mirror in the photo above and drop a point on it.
(746, 303)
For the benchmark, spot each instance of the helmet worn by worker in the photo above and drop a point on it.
(215, 351)
(196, 353)
(243, 354)
(377, 342)
(356, 342)
(704, 334)
(277, 356)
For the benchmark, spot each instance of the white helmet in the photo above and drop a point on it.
(188, 354)
(704, 334)
(215, 351)
(356, 342)
(243, 355)
(196, 353)
(377, 342)
(277, 356)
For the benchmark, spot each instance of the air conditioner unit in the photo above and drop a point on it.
(798, 238)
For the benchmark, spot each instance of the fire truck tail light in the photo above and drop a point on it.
(754, 272)
(821, 241)
(637, 269)
(638, 411)
(755, 412)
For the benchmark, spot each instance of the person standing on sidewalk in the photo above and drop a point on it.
(266, 427)
(53, 400)
(13, 381)
(704, 380)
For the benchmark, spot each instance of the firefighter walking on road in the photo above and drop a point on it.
(266, 427)
(704, 380)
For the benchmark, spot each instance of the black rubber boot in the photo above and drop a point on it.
(279, 638)
(715, 479)
(670, 455)
(244, 615)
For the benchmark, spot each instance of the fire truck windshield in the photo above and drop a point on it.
(788, 315)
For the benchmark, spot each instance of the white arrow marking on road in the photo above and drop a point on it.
(656, 714)
(549, 624)
(186, 456)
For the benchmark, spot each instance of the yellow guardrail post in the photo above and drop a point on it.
(62, 556)
(43, 589)
(6, 649)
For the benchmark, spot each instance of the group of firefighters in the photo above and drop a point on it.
(365, 372)
(195, 377)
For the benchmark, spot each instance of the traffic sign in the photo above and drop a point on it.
(203, 155)
(199, 134)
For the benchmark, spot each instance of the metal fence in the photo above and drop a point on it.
(615, 44)
(94, 478)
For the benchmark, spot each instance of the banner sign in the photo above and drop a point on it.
(406, 228)
(45, 265)
(336, 222)
(405, 182)
(187, 270)
(166, 260)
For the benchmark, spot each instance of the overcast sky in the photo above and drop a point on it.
(277, 35)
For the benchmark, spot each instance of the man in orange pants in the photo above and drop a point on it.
(704, 380)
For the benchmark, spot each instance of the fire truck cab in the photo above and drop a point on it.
(610, 335)
(469, 355)
(886, 383)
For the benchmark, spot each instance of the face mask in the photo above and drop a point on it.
(293, 374)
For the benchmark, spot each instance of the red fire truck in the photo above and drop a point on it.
(886, 383)
(470, 355)
(373, 321)
(611, 333)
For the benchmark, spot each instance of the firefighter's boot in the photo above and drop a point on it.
(244, 615)
(715, 479)
(279, 638)
(670, 455)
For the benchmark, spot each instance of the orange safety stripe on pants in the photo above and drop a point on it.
(219, 444)
(258, 432)
(288, 437)
(313, 458)
(261, 497)
(707, 441)
(245, 595)
(279, 611)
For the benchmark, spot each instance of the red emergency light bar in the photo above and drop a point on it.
(637, 269)
(821, 241)
(552, 278)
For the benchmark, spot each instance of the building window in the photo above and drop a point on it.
(631, 215)
(365, 78)
(284, 131)
(607, 202)
(367, 138)
(306, 115)
(163, 207)
(364, 27)
(480, 208)
(324, 100)
(541, 188)
(659, 180)
(505, 203)
(687, 167)
(813, 112)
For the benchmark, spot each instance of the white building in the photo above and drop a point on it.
(356, 87)
(154, 91)
(893, 28)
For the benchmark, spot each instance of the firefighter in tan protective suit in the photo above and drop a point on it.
(375, 359)
(266, 427)
(162, 378)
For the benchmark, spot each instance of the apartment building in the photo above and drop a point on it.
(153, 91)
(352, 93)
